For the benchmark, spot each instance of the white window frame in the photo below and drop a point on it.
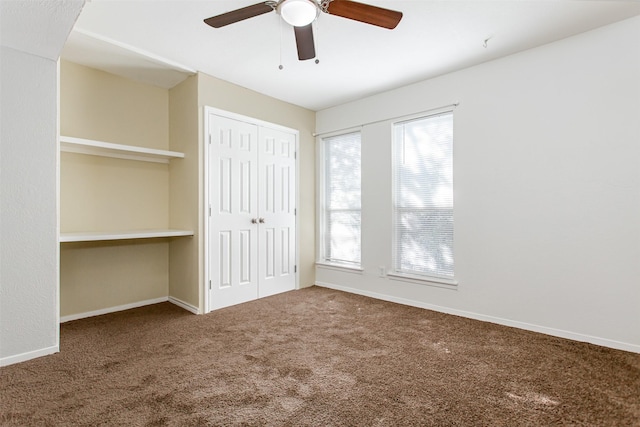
(418, 278)
(322, 236)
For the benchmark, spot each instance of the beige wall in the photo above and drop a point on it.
(185, 269)
(100, 193)
(187, 102)
(105, 194)
(102, 106)
(110, 194)
(97, 276)
(226, 96)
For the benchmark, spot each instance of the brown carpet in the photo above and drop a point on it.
(317, 357)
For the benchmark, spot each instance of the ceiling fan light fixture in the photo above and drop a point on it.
(298, 13)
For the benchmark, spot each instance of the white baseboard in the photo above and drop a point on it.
(10, 360)
(485, 318)
(184, 305)
(112, 309)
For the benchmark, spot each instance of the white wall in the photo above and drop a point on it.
(29, 266)
(547, 188)
(28, 176)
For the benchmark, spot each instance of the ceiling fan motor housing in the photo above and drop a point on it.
(298, 13)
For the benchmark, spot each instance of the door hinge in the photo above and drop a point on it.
(295, 268)
(209, 210)
(209, 284)
(210, 138)
(295, 211)
(295, 154)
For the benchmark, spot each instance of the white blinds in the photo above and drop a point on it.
(423, 196)
(342, 183)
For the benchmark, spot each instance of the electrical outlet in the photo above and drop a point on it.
(382, 271)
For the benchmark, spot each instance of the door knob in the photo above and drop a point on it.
(254, 220)
(261, 220)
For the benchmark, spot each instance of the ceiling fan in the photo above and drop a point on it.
(301, 14)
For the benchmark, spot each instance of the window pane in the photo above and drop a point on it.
(425, 237)
(343, 171)
(423, 190)
(342, 184)
(343, 231)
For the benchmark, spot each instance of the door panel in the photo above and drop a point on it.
(276, 200)
(234, 203)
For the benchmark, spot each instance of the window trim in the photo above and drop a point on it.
(321, 232)
(393, 274)
(340, 267)
(439, 282)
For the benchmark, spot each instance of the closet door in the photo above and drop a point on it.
(233, 227)
(252, 233)
(277, 208)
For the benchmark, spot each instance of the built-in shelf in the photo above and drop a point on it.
(71, 144)
(102, 53)
(121, 235)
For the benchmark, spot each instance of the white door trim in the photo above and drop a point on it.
(207, 111)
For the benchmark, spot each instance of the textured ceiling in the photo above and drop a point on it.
(355, 59)
(39, 27)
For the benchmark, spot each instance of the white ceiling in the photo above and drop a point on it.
(163, 41)
(39, 28)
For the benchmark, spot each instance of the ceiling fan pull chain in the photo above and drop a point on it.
(317, 44)
(280, 67)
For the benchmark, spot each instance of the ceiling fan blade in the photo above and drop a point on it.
(239, 15)
(304, 41)
(366, 13)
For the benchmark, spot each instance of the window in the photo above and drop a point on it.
(341, 215)
(423, 196)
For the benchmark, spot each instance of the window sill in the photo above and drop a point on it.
(339, 267)
(439, 282)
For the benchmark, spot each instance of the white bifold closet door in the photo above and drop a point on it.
(252, 221)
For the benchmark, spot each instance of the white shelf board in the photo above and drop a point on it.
(71, 144)
(121, 235)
